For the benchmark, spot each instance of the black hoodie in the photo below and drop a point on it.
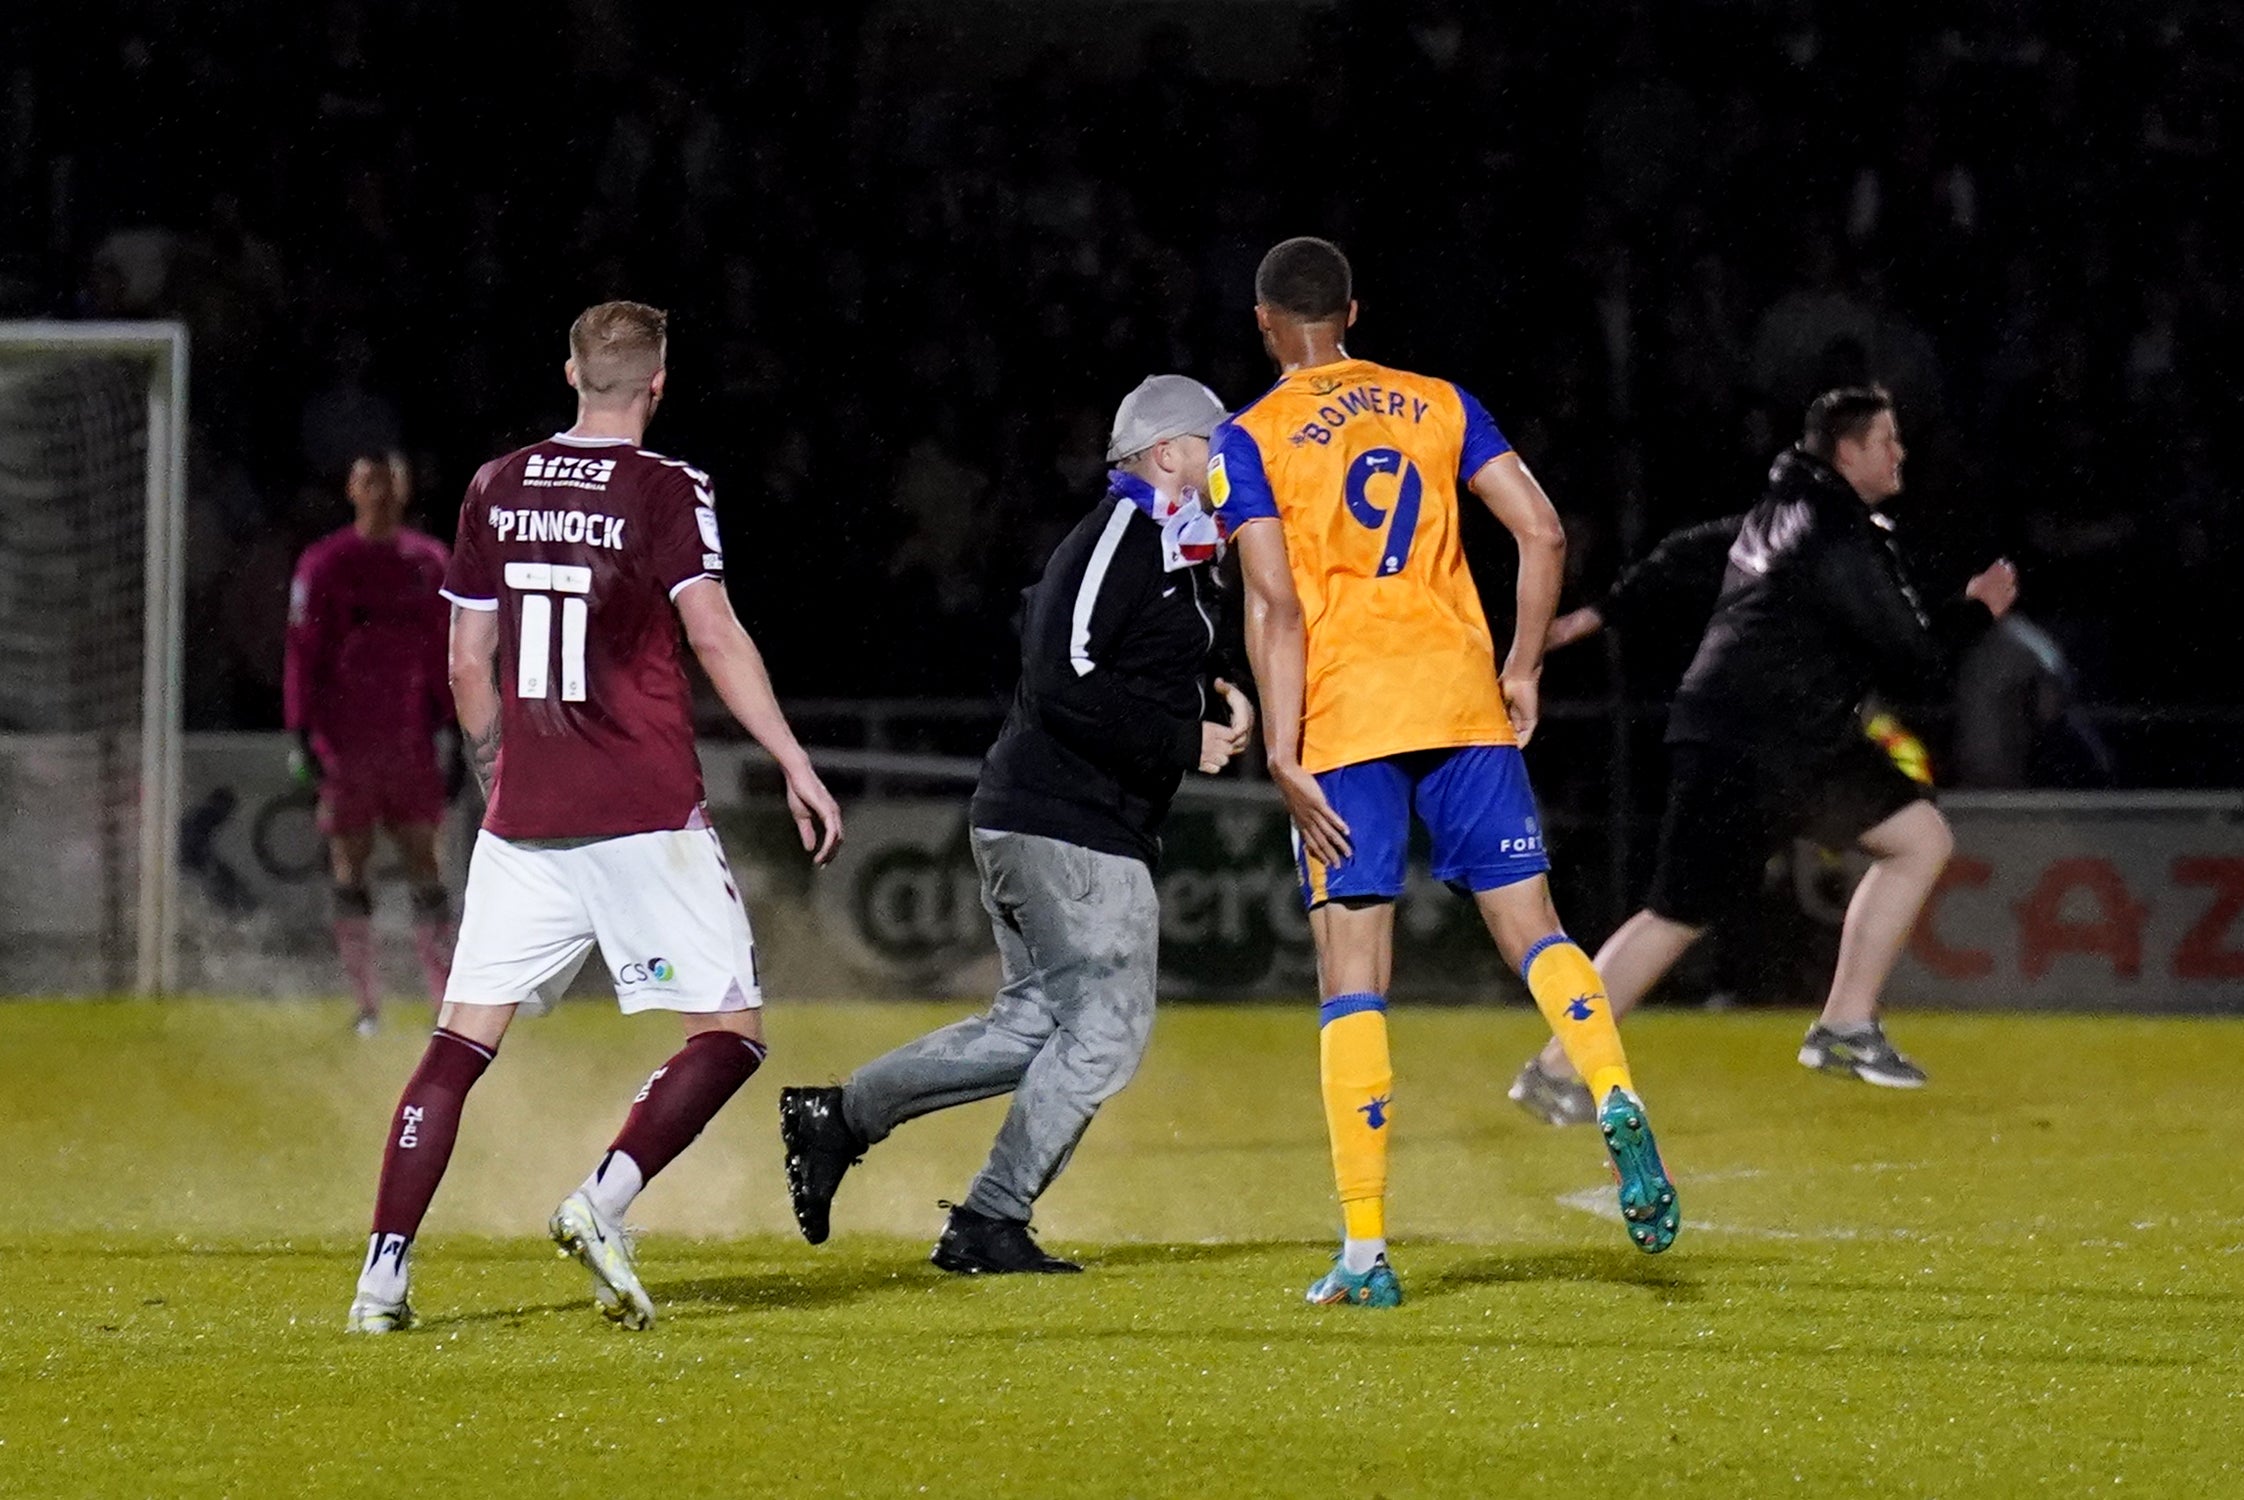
(1117, 654)
(1814, 612)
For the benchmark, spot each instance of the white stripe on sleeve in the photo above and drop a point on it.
(1087, 593)
(484, 606)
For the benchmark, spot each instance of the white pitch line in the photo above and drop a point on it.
(1600, 1201)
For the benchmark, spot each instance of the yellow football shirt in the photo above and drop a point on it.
(1362, 465)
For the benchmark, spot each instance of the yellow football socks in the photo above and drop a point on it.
(1572, 999)
(1359, 1087)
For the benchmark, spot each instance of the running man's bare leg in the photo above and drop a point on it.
(1908, 852)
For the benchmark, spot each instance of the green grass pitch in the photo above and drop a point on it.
(2024, 1280)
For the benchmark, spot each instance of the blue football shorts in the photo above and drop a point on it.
(1474, 801)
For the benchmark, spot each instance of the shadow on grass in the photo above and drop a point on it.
(509, 1317)
(1126, 1256)
(810, 1282)
(175, 1250)
(1320, 1328)
(1796, 1278)
(1671, 1279)
(811, 1286)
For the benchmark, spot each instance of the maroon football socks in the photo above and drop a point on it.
(681, 1098)
(422, 1132)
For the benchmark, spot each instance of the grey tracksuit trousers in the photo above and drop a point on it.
(1078, 933)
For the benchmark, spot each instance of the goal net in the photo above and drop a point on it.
(92, 481)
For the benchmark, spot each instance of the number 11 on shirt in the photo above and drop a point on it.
(537, 583)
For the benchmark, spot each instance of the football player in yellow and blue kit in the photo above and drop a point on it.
(1381, 696)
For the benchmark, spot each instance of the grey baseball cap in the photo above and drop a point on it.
(1163, 406)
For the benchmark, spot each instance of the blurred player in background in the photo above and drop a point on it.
(577, 560)
(1381, 697)
(1118, 646)
(364, 691)
(1765, 740)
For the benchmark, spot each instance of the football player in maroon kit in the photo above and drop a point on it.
(578, 559)
(363, 690)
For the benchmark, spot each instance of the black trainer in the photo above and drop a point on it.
(820, 1148)
(977, 1245)
(1865, 1054)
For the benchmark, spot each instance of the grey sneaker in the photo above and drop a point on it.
(1866, 1054)
(1553, 1100)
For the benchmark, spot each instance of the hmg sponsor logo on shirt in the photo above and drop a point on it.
(568, 471)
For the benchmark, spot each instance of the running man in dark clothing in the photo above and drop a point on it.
(1764, 740)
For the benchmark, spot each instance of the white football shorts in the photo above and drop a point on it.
(662, 906)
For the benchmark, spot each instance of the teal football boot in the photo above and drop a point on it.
(1647, 1197)
(1377, 1287)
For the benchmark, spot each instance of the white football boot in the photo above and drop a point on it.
(370, 1314)
(380, 1305)
(602, 1248)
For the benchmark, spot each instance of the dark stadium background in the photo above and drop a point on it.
(914, 252)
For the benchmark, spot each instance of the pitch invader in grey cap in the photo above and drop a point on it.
(1162, 408)
(1118, 678)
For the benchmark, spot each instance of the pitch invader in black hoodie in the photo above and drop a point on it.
(1763, 740)
(1118, 654)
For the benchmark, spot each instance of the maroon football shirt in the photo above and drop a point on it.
(581, 544)
(364, 672)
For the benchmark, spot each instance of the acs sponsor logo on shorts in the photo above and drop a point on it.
(653, 971)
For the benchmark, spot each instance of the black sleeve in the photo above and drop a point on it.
(1859, 585)
(1090, 595)
(1958, 624)
(1676, 584)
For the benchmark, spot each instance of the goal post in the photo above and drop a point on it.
(76, 401)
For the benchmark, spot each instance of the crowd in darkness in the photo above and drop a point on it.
(905, 297)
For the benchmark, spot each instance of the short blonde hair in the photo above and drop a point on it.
(617, 347)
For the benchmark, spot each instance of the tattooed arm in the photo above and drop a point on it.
(475, 693)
